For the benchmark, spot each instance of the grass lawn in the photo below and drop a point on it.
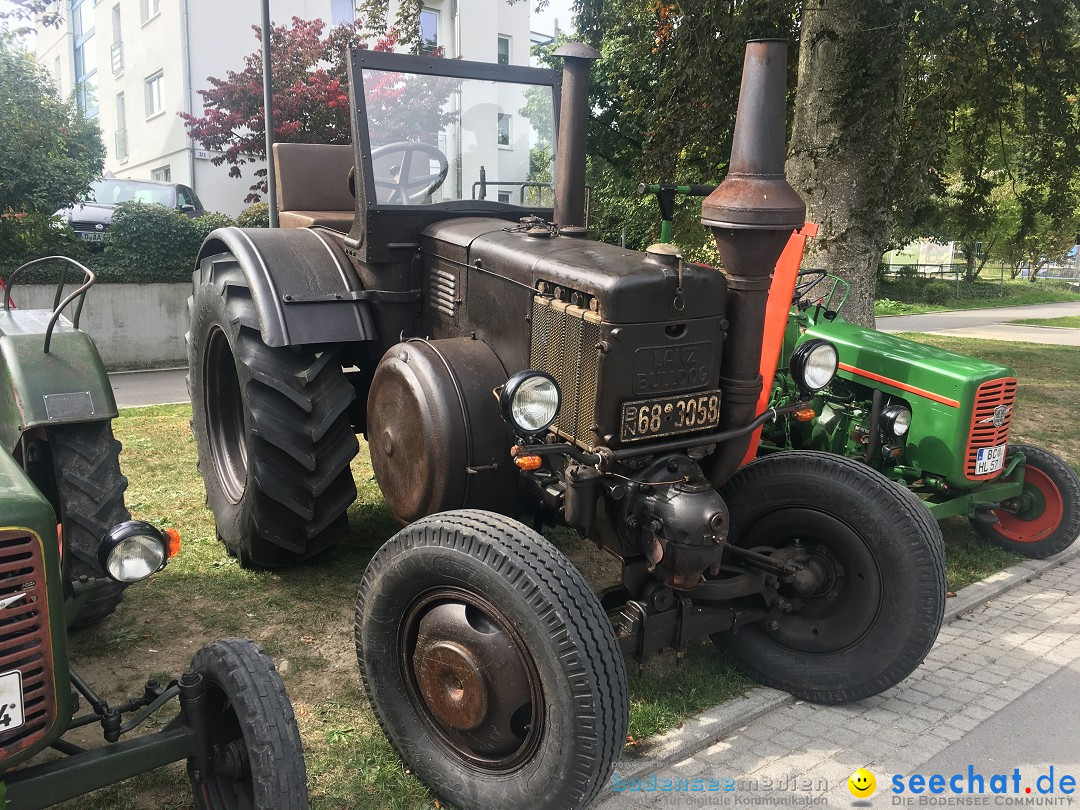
(895, 299)
(1068, 322)
(303, 616)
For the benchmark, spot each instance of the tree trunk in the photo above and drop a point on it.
(849, 112)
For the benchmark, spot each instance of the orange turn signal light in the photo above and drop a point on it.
(804, 414)
(173, 536)
(528, 463)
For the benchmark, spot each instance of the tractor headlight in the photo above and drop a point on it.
(896, 419)
(530, 402)
(134, 550)
(813, 364)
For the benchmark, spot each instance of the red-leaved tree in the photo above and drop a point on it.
(311, 104)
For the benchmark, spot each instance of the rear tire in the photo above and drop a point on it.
(879, 612)
(1048, 518)
(272, 428)
(90, 492)
(257, 762)
(490, 664)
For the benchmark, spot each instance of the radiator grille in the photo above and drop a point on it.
(564, 344)
(991, 396)
(24, 638)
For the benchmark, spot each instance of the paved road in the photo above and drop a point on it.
(991, 324)
(135, 388)
(999, 691)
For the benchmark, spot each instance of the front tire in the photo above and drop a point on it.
(90, 493)
(1046, 519)
(272, 428)
(257, 761)
(490, 664)
(880, 559)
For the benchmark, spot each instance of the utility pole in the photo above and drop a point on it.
(268, 107)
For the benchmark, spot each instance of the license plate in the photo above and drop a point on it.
(989, 459)
(93, 237)
(11, 701)
(665, 416)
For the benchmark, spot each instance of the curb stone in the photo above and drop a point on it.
(719, 722)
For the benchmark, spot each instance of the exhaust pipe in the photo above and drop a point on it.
(751, 216)
(573, 128)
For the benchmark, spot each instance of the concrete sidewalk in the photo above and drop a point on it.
(136, 388)
(999, 691)
(990, 324)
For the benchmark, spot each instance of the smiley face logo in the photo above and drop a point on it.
(862, 784)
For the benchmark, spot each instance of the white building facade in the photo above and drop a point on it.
(134, 65)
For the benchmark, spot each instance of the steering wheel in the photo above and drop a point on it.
(806, 281)
(404, 189)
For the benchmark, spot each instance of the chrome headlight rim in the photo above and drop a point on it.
(129, 536)
(896, 419)
(514, 386)
(801, 363)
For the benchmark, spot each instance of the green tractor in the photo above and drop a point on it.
(68, 549)
(934, 421)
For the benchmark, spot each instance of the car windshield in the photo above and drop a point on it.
(441, 139)
(114, 192)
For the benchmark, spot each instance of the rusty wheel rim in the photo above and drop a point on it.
(471, 679)
(224, 408)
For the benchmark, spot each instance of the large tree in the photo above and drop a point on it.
(311, 104)
(49, 153)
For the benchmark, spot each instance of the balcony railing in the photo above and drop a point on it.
(117, 51)
(121, 144)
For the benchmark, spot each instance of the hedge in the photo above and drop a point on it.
(144, 244)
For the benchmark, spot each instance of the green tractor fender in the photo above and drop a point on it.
(68, 383)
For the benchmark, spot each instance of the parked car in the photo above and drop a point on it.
(92, 216)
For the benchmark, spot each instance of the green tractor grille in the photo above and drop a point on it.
(990, 420)
(564, 341)
(25, 643)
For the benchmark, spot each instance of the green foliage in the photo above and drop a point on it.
(152, 243)
(210, 221)
(938, 292)
(254, 216)
(49, 154)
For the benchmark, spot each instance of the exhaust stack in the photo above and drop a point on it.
(573, 128)
(751, 216)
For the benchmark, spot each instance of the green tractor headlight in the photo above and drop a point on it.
(814, 364)
(133, 550)
(896, 419)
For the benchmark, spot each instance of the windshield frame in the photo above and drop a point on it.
(399, 224)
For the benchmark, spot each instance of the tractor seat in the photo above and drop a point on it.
(313, 185)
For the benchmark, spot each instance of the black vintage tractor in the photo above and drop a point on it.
(501, 364)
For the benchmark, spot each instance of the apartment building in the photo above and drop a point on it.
(135, 64)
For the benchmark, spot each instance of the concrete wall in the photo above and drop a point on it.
(133, 325)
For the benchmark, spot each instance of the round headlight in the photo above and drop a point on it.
(813, 364)
(530, 401)
(897, 420)
(132, 551)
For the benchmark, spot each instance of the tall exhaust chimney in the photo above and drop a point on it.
(751, 216)
(573, 128)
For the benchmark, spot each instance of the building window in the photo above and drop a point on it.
(162, 174)
(504, 50)
(429, 30)
(116, 50)
(85, 47)
(121, 128)
(149, 9)
(154, 85)
(504, 197)
(342, 11)
(504, 129)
